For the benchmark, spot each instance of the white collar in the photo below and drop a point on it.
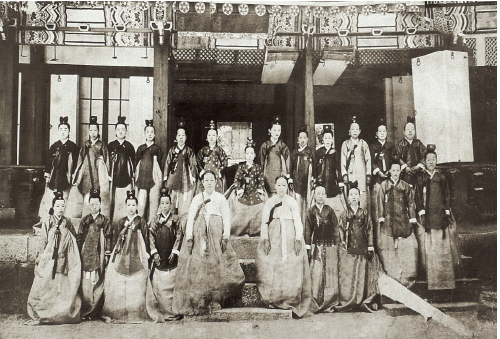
(209, 196)
(431, 174)
(135, 215)
(64, 142)
(382, 143)
(212, 148)
(181, 148)
(329, 148)
(57, 218)
(355, 210)
(120, 141)
(165, 216)
(94, 142)
(148, 144)
(320, 208)
(394, 182)
(95, 216)
(274, 141)
(301, 149)
(409, 141)
(355, 142)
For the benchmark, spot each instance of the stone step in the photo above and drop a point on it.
(249, 314)
(249, 268)
(396, 310)
(467, 290)
(245, 247)
(249, 297)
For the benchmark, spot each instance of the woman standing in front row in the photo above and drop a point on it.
(208, 271)
(128, 292)
(283, 277)
(54, 297)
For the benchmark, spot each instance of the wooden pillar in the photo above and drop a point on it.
(162, 87)
(309, 93)
(161, 93)
(8, 102)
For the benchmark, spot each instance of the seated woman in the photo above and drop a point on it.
(283, 277)
(208, 272)
(54, 297)
(128, 293)
(247, 199)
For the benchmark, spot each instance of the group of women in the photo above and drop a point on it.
(153, 243)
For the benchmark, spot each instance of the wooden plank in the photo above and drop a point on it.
(8, 76)
(486, 20)
(161, 93)
(403, 106)
(309, 94)
(389, 109)
(219, 22)
(442, 101)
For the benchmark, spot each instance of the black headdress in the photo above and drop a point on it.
(149, 123)
(327, 129)
(181, 123)
(63, 121)
(95, 193)
(276, 120)
(212, 125)
(303, 129)
(93, 121)
(131, 196)
(395, 160)
(381, 122)
(352, 185)
(121, 121)
(431, 149)
(250, 142)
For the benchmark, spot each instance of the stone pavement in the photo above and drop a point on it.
(338, 325)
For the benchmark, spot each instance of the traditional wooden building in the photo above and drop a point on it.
(239, 64)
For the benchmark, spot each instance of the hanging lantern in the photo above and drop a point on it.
(352, 10)
(213, 7)
(318, 12)
(382, 8)
(334, 10)
(184, 7)
(367, 10)
(227, 9)
(243, 9)
(260, 10)
(200, 7)
(398, 8)
(293, 11)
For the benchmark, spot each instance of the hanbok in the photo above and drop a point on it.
(326, 173)
(54, 297)
(246, 211)
(356, 236)
(395, 238)
(207, 277)
(180, 169)
(283, 277)
(410, 154)
(301, 173)
(148, 178)
(94, 238)
(438, 242)
(382, 155)
(128, 292)
(215, 160)
(321, 234)
(165, 239)
(356, 163)
(92, 172)
(61, 164)
(122, 168)
(275, 161)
